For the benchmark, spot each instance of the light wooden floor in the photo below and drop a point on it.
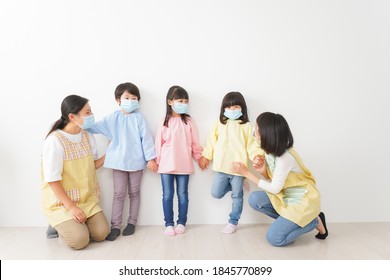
(346, 241)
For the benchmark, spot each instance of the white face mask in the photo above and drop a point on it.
(129, 105)
(180, 108)
(232, 114)
(88, 122)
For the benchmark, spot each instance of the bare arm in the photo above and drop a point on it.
(99, 162)
(240, 168)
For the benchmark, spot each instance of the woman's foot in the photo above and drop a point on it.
(170, 231)
(321, 227)
(180, 229)
(113, 234)
(229, 228)
(51, 232)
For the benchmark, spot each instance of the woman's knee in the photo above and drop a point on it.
(256, 199)
(78, 241)
(100, 233)
(275, 239)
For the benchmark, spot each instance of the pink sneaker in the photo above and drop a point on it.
(169, 230)
(229, 228)
(180, 229)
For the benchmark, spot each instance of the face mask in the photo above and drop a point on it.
(232, 114)
(88, 122)
(129, 105)
(180, 108)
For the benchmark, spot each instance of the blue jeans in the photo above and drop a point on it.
(224, 183)
(282, 231)
(168, 188)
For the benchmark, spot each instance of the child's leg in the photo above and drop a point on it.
(134, 195)
(237, 199)
(283, 232)
(259, 201)
(220, 185)
(167, 198)
(182, 195)
(121, 180)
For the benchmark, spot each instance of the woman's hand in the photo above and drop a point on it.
(260, 165)
(239, 168)
(77, 214)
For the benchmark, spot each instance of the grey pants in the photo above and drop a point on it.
(126, 182)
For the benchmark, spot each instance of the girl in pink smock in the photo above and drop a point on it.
(176, 145)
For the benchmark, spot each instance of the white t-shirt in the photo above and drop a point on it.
(53, 154)
(284, 164)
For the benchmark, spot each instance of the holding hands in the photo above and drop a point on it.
(203, 163)
(152, 165)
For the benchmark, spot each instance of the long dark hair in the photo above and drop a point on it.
(175, 92)
(275, 134)
(231, 99)
(72, 104)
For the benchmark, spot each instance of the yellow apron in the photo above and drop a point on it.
(78, 180)
(299, 200)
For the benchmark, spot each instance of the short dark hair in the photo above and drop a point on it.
(275, 134)
(231, 99)
(129, 87)
(175, 92)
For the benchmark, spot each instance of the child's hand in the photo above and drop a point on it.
(203, 163)
(152, 165)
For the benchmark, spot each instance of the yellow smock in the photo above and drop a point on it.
(79, 181)
(299, 200)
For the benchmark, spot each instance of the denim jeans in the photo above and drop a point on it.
(282, 231)
(223, 183)
(168, 189)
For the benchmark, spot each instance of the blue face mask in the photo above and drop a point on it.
(88, 122)
(129, 105)
(232, 114)
(180, 108)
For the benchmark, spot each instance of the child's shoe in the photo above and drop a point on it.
(180, 229)
(170, 231)
(229, 228)
(129, 230)
(114, 233)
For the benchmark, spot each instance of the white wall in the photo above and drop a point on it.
(324, 65)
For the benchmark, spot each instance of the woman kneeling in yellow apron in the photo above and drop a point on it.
(290, 195)
(70, 190)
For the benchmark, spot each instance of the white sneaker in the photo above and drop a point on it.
(229, 228)
(170, 231)
(180, 229)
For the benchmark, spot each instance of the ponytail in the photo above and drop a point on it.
(59, 124)
(72, 104)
